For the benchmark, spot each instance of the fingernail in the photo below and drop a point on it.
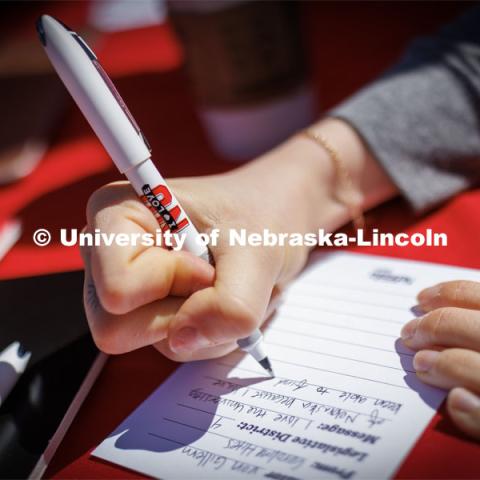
(424, 360)
(428, 294)
(188, 339)
(464, 400)
(409, 329)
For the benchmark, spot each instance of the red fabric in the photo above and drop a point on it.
(349, 43)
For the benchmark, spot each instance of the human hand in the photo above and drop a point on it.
(137, 295)
(447, 340)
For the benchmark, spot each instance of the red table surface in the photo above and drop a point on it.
(348, 44)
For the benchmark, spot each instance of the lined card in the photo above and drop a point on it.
(345, 402)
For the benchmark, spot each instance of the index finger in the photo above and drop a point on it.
(129, 276)
(457, 293)
(115, 334)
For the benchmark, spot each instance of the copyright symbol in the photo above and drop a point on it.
(42, 237)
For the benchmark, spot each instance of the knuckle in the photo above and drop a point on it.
(459, 357)
(165, 283)
(453, 362)
(465, 287)
(433, 323)
(109, 195)
(455, 291)
(114, 296)
(106, 338)
(458, 289)
(445, 289)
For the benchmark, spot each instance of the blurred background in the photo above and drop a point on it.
(211, 84)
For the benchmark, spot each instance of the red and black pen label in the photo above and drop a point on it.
(158, 199)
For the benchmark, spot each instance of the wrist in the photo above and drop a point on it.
(358, 181)
(371, 185)
(298, 179)
(316, 185)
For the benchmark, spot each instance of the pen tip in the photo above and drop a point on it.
(265, 363)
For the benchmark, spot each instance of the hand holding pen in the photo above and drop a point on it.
(184, 307)
(137, 295)
(102, 106)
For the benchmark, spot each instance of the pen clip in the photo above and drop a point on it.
(145, 141)
(119, 100)
(84, 45)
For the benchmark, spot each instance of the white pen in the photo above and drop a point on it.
(104, 109)
(13, 362)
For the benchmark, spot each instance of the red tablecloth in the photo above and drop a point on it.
(349, 44)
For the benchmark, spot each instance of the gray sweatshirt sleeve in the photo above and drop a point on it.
(421, 119)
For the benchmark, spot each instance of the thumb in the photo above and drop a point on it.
(464, 408)
(233, 308)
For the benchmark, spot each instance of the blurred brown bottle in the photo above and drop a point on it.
(248, 71)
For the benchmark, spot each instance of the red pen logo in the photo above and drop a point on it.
(158, 200)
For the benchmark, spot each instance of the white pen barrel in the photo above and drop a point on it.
(94, 93)
(102, 106)
(109, 117)
(164, 205)
(253, 344)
